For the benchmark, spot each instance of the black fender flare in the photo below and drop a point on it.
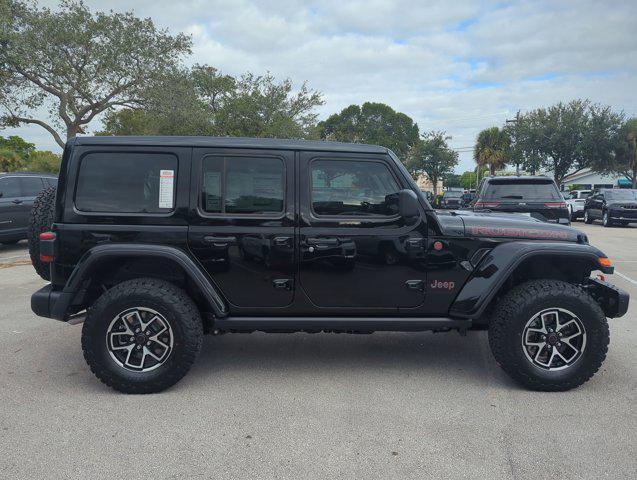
(96, 255)
(498, 265)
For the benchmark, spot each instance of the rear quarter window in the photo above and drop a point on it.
(126, 182)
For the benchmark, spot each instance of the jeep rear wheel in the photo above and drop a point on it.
(587, 218)
(142, 336)
(549, 335)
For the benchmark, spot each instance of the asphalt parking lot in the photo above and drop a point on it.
(298, 406)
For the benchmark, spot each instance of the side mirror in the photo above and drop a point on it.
(408, 205)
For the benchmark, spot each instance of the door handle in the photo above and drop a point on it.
(282, 283)
(220, 241)
(323, 242)
(281, 241)
(418, 285)
(17, 201)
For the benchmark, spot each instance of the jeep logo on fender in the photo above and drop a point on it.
(518, 232)
(437, 284)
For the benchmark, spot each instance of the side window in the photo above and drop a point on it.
(31, 186)
(243, 185)
(126, 182)
(10, 187)
(350, 187)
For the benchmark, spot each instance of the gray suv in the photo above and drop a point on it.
(17, 193)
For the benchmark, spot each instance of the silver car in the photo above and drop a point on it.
(575, 200)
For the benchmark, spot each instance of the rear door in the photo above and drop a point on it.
(242, 224)
(18, 194)
(10, 200)
(356, 252)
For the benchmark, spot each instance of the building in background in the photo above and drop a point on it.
(586, 179)
(424, 183)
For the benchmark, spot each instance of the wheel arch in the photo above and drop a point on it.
(114, 263)
(510, 264)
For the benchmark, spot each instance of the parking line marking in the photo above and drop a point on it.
(626, 278)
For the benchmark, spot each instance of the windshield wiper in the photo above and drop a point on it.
(518, 197)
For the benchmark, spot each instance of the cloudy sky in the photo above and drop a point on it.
(458, 66)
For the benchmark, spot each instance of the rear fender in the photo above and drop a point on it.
(499, 264)
(96, 257)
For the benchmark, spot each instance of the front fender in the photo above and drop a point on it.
(498, 265)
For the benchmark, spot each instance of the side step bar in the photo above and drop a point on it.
(341, 324)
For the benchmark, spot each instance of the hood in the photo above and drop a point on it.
(514, 226)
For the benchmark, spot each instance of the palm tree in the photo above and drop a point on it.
(491, 148)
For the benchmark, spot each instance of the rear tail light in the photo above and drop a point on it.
(46, 236)
(555, 204)
(487, 204)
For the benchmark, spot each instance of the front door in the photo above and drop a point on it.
(242, 224)
(355, 250)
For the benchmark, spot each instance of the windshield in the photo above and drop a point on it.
(621, 194)
(453, 194)
(522, 190)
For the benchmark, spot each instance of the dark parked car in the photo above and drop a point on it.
(451, 199)
(158, 240)
(611, 206)
(537, 197)
(17, 193)
(468, 198)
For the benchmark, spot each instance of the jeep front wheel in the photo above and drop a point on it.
(142, 336)
(587, 218)
(549, 335)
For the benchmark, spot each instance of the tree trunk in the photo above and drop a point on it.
(71, 131)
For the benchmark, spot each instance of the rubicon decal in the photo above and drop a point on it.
(518, 233)
(442, 285)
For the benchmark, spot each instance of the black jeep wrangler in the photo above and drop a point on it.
(158, 240)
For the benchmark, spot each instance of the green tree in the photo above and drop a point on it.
(469, 180)
(374, 123)
(452, 180)
(567, 137)
(18, 145)
(77, 64)
(43, 161)
(432, 156)
(624, 158)
(492, 149)
(10, 161)
(202, 101)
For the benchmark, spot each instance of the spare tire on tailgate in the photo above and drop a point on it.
(40, 221)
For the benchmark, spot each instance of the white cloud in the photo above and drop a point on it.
(459, 66)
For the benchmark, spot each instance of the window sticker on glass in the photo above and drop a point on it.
(166, 181)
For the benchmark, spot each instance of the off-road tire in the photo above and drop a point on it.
(173, 304)
(40, 220)
(517, 308)
(587, 218)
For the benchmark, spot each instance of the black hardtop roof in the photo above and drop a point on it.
(230, 142)
(27, 174)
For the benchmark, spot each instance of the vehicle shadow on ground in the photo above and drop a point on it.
(16, 247)
(298, 355)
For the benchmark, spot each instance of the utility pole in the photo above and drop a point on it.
(515, 122)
